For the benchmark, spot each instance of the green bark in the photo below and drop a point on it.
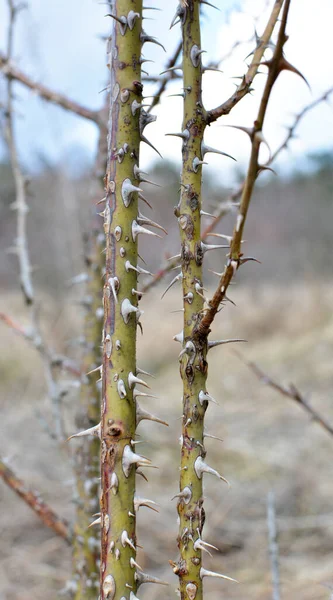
(118, 410)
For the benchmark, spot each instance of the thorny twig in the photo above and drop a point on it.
(235, 257)
(290, 392)
(46, 514)
(273, 545)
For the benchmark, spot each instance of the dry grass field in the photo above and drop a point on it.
(268, 443)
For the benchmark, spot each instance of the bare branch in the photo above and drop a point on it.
(289, 392)
(12, 73)
(46, 514)
(245, 85)
(235, 256)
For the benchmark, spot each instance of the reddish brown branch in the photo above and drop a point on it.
(289, 392)
(46, 514)
(13, 73)
(235, 256)
(247, 80)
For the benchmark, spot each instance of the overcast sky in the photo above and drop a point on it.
(58, 43)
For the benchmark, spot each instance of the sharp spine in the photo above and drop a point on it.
(215, 343)
(130, 458)
(142, 578)
(132, 380)
(205, 397)
(126, 309)
(126, 541)
(205, 573)
(178, 277)
(96, 430)
(144, 415)
(201, 467)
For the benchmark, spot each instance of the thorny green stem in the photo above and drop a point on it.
(118, 410)
(193, 366)
(235, 260)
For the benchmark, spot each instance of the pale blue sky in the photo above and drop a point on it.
(57, 42)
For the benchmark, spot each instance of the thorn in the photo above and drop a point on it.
(96, 522)
(190, 350)
(207, 247)
(182, 94)
(109, 587)
(287, 66)
(215, 343)
(131, 18)
(179, 337)
(205, 573)
(129, 266)
(180, 14)
(122, 22)
(178, 277)
(141, 197)
(127, 190)
(132, 380)
(100, 369)
(184, 135)
(144, 37)
(130, 458)
(144, 139)
(137, 105)
(136, 394)
(185, 495)
(201, 467)
(206, 214)
(205, 149)
(142, 372)
(126, 541)
(209, 4)
(213, 437)
(142, 220)
(114, 285)
(144, 415)
(174, 257)
(138, 173)
(195, 55)
(196, 162)
(205, 397)
(96, 430)
(223, 236)
(142, 578)
(246, 259)
(114, 483)
(171, 69)
(121, 389)
(134, 564)
(138, 502)
(199, 544)
(127, 308)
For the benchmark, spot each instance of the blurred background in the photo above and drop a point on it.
(283, 305)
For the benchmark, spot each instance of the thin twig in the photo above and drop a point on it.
(165, 80)
(12, 73)
(273, 545)
(46, 514)
(290, 392)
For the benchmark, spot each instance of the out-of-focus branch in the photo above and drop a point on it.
(46, 514)
(20, 204)
(247, 80)
(165, 80)
(12, 73)
(273, 545)
(289, 392)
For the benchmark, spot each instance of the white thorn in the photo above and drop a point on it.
(189, 349)
(215, 343)
(142, 220)
(137, 230)
(213, 437)
(127, 190)
(205, 149)
(143, 415)
(136, 393)
(132, 380)
(130, 458)
(139, 270)
(179, 337)
(125, 540)
(142, 372)
(178, 277)
(205, 397)
(205, 573)
(114, 285)
(206, 247)
(185, 495)
(127, 308)
(142, 578)
(207, 214)
(96, 522)
(143, 502)
(114, 483)
(109, 587)
(121, 389)
(134, 564)
(201, 467)
(196, 162)
(96, 430)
